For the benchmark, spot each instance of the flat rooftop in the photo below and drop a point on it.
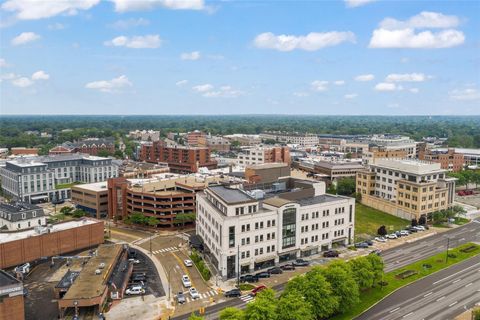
(12, 236)
(162, 184)
(230, 195)
(268, 166)
(409, 165)
(278, 201)
(88, 284)
(95, 187)
(6, 279)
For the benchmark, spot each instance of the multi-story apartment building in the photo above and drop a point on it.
(193, 136)
(20, 216)
(242, 233)
(379, 152)
(21, 151)
(214, 143)
(302, 139)
(449, 159)
(395, 142)
(179, 159)
(244, 139)
(406, 188)
(145, 135)
(261, 155)
(91, 146)
(44, 178)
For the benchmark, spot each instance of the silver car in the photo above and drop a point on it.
(181, 298)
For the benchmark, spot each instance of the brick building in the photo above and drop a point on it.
(261, 155)
(192, 137)
(448, 159)
(179, 159)
(20, 151)
(267, 172)
(91, 198)
(91, 146)
(11, 298)
(25, 246)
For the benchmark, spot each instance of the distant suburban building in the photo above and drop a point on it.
(244, 139)
(29, 245)
(267, 172)
(395, 142)
(48, 178)
(179, 159)
(20, 151)
(192, 137)
(214, 143)
(375, 153)
(159, 197)
(331, 169)
(91, 146)
(145, 135)
(301, 139)
(91, 198)
(449, 159)
(261, 155)
(406, 188)
(141, 170)
(243, 232)
(19, 216)
(11, 298)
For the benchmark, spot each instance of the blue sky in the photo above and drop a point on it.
(239, 57)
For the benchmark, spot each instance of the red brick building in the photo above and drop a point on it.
(11, 298)
(179, 159)
(90, 146)
(449, 160)
(192, 137)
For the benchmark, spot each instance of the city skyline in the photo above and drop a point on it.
(355, 57)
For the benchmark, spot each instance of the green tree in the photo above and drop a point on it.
(376, 266)
(66, 210)
(263, 307)
(231, 313)
(78, 213)
(137, 218)
(104, 153)
(152, 221)
(346, 186)
(193, 316)
(362, 272)
(344, 286)
(182, 218)
(293, 306)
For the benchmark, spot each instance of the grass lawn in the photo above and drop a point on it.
(66, 185)
(437, 262)
(368, 220)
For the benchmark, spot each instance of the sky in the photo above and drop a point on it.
(351, 57)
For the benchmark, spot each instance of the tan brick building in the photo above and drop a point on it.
(92, 198)
(449, 160)
(11, 298)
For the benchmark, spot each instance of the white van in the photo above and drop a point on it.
(135, 290)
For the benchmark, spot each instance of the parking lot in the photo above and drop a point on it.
(153, 284)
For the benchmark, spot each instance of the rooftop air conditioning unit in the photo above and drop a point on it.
(98, 271)
(101, 265)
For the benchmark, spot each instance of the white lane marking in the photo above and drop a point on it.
(455, 281)
(468, 285)
(441, 298)
(246, 298)
(426, 295)
(407, 315)
(452, 275)
(391, 311)
(453, 303)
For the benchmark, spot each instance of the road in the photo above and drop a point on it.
(440, 296)
(394, 258)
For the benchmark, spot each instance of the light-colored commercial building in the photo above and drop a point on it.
(242, 233)
(406, 188)
(145, 135)
(375, 153)
(449, 160)
(301, 139)
(261, 155)
(47, 178)
(91, 198)
(20, 216)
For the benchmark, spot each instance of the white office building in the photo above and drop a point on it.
(243, 233)
(301, 139)
(21, 216)
(37, 179)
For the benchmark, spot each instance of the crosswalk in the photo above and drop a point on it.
(208, 294)
(141, 241)
(165, 250)
(247, 298)
(184, 236)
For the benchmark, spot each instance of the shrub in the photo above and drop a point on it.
(246, 286)
(201, 266)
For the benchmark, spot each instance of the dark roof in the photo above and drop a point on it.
(6, 279)
(67, 280)
(13, 211)
(230, 195)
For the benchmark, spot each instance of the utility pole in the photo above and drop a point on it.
(448, 244)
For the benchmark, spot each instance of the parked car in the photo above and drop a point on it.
(248, 278)
(233, 293)
(377, 252)
(135, 290)
(275, 270)
(412, 229)
(380, 239)
(391, 236)
(181, 298)
(331, 254)
(361, 245)
(258, 289)
(369, 242)
(186, 281)
(404, 233)
(138, 278)
(262, 275)
(134, 261)
(288, 267)
(420, 228)
(301, 263)
(193, 293)
(187, 263)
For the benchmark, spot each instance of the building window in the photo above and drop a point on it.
(231, 236)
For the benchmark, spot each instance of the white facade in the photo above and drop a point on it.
(302, 139)
(249, 157)
(20, 216)
(257, 234)
(145, 135)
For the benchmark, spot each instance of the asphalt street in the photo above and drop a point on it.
(396, 258)
(441, 296)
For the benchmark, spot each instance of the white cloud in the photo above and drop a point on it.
(311, 42)
(350, 96)
(365, 77)
(181, 83)
(423, 20)
(407, 38)
(25, 37)
(319, 85)
(203, 87)
(406, 77)
(129, 23)
(136, 42)
(32, 9)
(301, 94)
(357, 3)
(56, 26)
(22, 82)
(8, 76)
(384, 86)
(113, 85)
(414, 90)
(3, 63)
(40, 75)
(339, 82)
(195, 55)
(138, 5)
(467, 94)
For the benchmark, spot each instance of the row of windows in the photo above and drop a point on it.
(338, 233)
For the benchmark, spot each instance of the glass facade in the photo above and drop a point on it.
(289, 227)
